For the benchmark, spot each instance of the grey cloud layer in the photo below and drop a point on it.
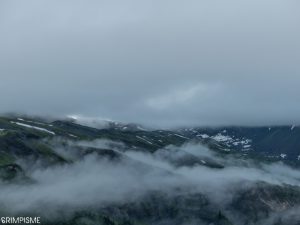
(161, 62)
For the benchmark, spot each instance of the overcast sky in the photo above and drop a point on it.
(159, 62)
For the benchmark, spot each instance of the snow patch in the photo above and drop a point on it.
(141, 128)
(33, 127)
(283, 156)
(72, 135)
(222, 138)
(181, 136)
(145, 140)
(203, 135)
(246, 146)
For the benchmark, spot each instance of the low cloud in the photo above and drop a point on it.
(96, 181)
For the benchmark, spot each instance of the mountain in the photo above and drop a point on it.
(123, 174)
(278, 142)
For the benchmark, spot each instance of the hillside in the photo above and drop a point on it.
(69, 173)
